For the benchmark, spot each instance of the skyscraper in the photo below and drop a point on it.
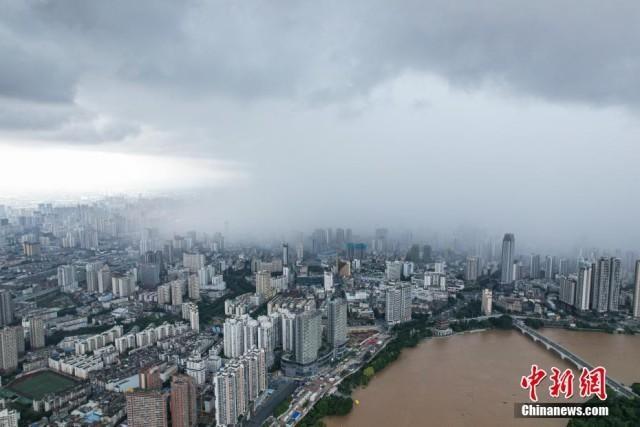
(534, 266)
(563, 267)
(568, 287)
(104, 279)
(308, 336)
(9, 348)
(583, 287)
(328, 281)
(337, 322)
(92, 269)
(508, 247)
(9, 417)
(615, 284)
(229, 391)
(149, 378)
(67, 278)
(237, 385)
(600, 302)
(177, 290)
(196, 368)
(254, 364)
(36, 333)
(471, 269)
(146, 408)
(233, 338)
(6, 308)
(487, 300)
(285, 254)
(183, 401)
(548, 269)
(263, 284)
(398, 304)
(636, 291)
(267, 337)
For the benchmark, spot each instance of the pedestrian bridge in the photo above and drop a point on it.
(565, 354)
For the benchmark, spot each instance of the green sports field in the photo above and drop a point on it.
(41, 383)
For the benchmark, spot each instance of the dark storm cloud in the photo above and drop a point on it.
(332, 105)
(582, 51)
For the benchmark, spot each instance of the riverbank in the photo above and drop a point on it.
(407, 335)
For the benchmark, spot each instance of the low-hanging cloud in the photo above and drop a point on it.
(497, 112)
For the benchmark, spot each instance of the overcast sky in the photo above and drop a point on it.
(510, 116)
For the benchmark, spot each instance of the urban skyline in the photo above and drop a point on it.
(319, 214)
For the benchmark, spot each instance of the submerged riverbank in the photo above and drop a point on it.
(407, 335)
(467, 379)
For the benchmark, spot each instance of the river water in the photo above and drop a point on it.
(473, 379)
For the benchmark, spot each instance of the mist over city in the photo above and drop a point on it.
(194, 194)
(305, 115)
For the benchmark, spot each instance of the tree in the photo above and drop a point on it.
(368, 372)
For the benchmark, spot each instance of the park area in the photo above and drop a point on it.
(41, 383)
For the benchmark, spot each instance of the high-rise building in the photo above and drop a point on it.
(328, 281)
(583, 287)
(263, 284)
(123, 285)
(149, 378)
(254, 362)
(177, 290)
(548, 270)
(398, 304)
(193, 262)
(183, 401)
(229, 392)
(615, 283)
(237, 386)
(9, 417)
(92, 269)
(508, 248)
(636, 291)
(149, 273)
(534, 266)
(606, 283)
(104, 279)
(6, 308)
(568, 287)
(337, 322)
(233, 338)
(249, 333)
(285, 254)
(36, 333)
(191, 313)
(267, 337)
(205, 275)
(471, 269)
(9, 348)
(193, 289)
(300, 251)
(393, 270)
(563, 267)
(308, 336)
(487, 302)
(67, 280)
(288, 335)
(600, 302)
(146, 408)
(196, 368)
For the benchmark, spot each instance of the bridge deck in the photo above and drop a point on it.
(572, 357)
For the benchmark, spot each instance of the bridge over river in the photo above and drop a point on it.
(565, 354)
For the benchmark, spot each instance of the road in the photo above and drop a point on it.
(328, 378)
(282, 389)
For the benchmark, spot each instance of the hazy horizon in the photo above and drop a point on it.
(428, 117)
